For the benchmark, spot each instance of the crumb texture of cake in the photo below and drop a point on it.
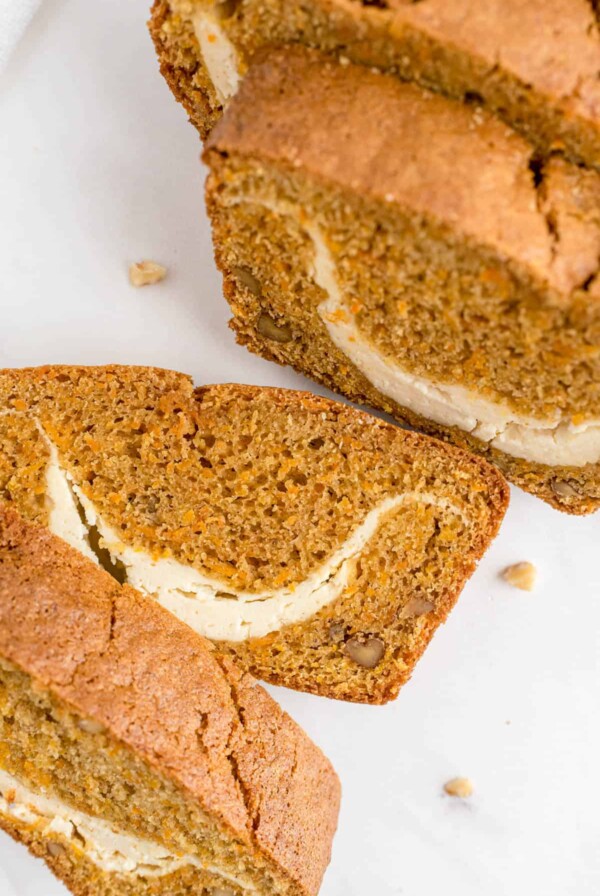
(317, 545)
(135, 759)
(535, 64)
(461, 298)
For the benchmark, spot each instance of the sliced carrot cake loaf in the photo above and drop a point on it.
(535, 63)
(319, 546)
(415, 255)
(134, 758)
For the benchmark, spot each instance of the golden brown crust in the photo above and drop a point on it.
(181, 67)
(551, 45)
(534, 64)
(111, 655)
(392, 143)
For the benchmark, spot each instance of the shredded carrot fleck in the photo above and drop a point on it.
(92, 442)
(338, 316)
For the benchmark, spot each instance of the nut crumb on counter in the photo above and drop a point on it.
(459, 787)
(521, 575)
(146, 273)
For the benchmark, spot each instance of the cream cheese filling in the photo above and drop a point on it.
(63, 516)
(199, 600)
(554, 441)
(219, 54)
(107, 847)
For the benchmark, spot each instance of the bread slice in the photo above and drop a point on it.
(414, 256)
(318, 546)
(536, 63)
(134, 758)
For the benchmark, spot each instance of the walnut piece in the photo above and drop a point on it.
(564, 489)
(367, 653)
(460, 787)
(521, 575)
(247, 279)
(267, 327)
(90, 726)
(416, 606)
(145, 273)
(226, 9)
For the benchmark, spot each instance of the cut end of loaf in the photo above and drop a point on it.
(318, 546)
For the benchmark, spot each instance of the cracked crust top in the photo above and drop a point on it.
(535, 64)
(550, 44)
(493, 193)
(162, 692)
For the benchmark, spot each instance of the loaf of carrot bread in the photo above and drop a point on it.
(134, 758)
(317, 545)
(414, 255)
(535, 63)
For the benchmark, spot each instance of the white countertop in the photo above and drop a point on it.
(99, 167)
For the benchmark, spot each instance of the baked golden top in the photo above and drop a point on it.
(158, 688)
(451, 162)
(553, 45)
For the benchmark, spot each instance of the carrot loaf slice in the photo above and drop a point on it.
(317, 545)
(535, 63)
(415, 256)
(134, 758)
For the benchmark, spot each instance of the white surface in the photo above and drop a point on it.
(15, 15)
(98, 167)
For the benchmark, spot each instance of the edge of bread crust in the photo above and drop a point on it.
(82, 877)
(79, 875)
(255, 771)
(407, 50)
(76, 877)
(179, 73)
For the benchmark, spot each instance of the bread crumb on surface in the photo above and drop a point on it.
(521, 575)
(145, 273)
(460, 787)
